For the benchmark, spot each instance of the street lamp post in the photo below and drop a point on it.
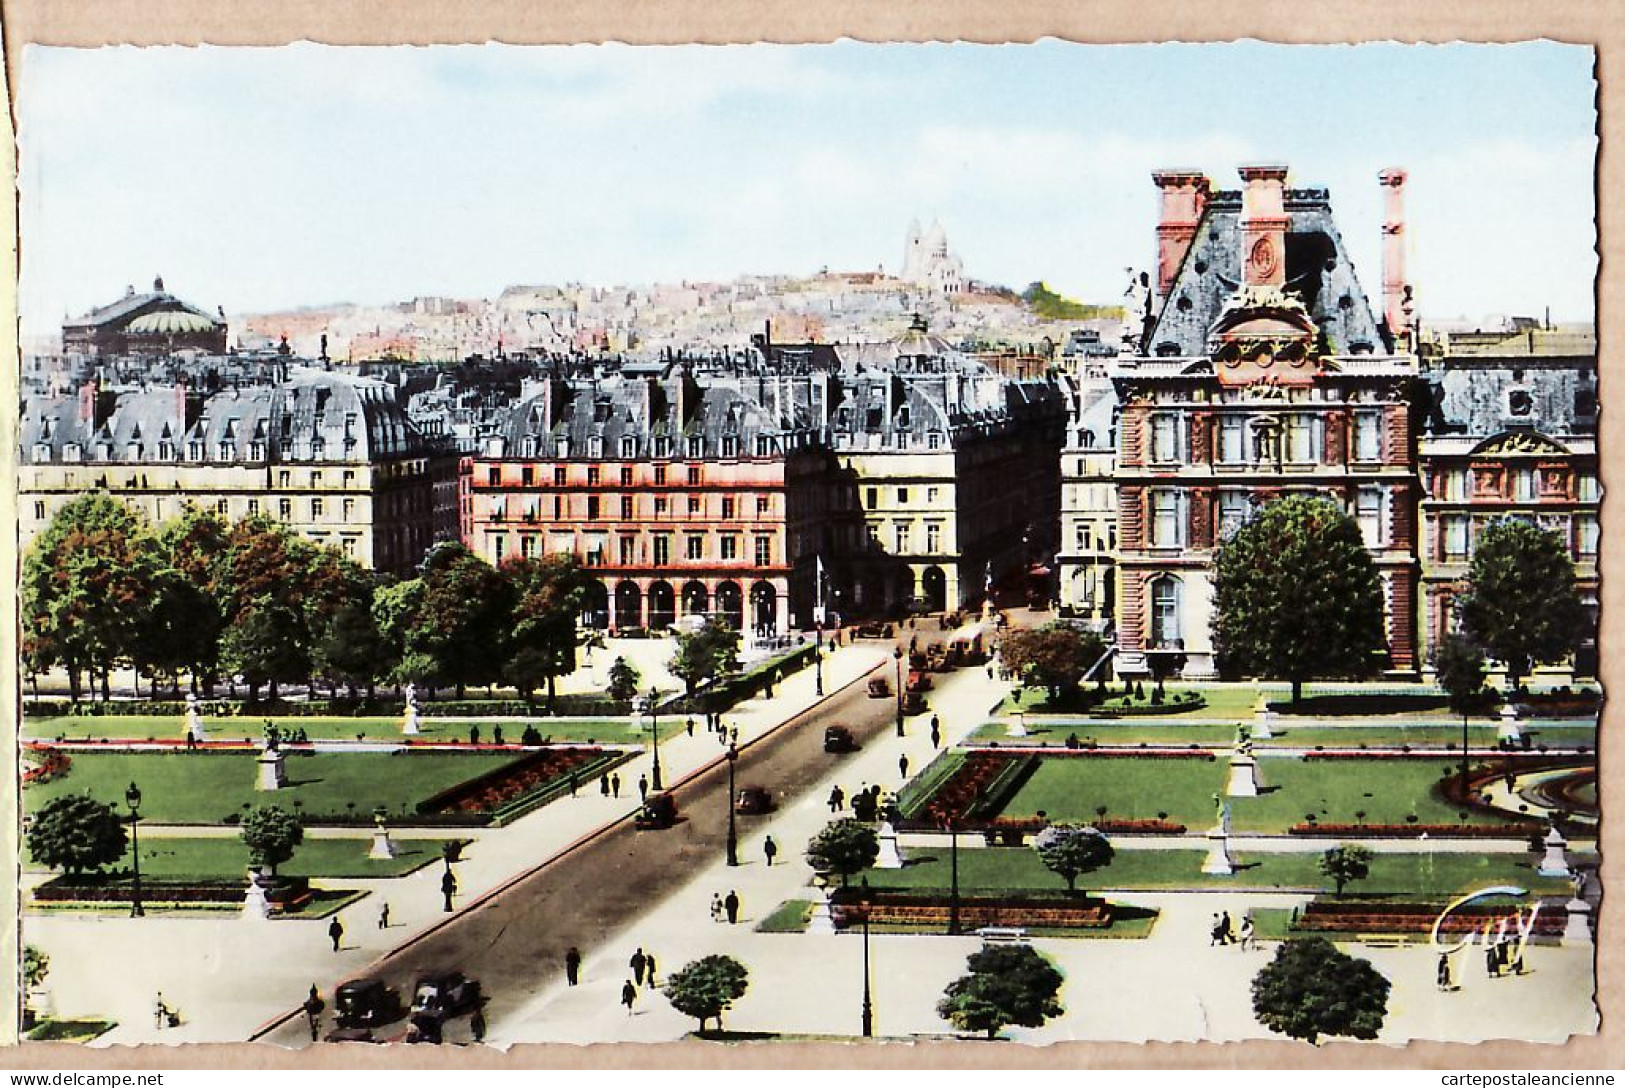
(654, 729)
(733, 833)
(868, 1002)
(953, 878)
(897, 655)
(132, 797)
(818, 659)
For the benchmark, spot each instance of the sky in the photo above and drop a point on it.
(263, 179)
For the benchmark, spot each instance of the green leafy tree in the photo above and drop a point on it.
(36, 965)
(707, 988)
(86, 581)
(623, 679)
(180, 629)
(843, 848)
(1460, 669)
(1344, 865)
(1054, 657)
(464, 608)
(394, 608)
(265, 643)
(549, 593)
(1521, 604)
(1311, 989)
(271, 835)
(77, 834)
(1296, 595)
(1005, 984)
(1070, 852)
(706, 654)
(351, 650)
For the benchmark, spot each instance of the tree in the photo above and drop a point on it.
(1521, 605)
(85, 583)
(179, 629)
(1006, 984)
(77, 834)
(548, 594)
(1296, 595)
(706, 654)
(351, 650)
(271, 835)
(844, 848)
(265, 644)
(623, 679)
(1069, 852)
(1055, 657)
(706, 988)
(1459, 668)
(1344, 865)
(464, 606)
(1311, 989)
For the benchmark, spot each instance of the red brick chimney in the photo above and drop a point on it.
(1393, 256)
(1184, 196)
(1263, 226)
(88, 395)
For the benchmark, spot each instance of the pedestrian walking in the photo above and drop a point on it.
(649, 970)
(1247, 933)
(572, 965)
(629, 994)
(615, 785)
(1443, 975)
(771, 849)
(383, 916)
(716, 907)
(575, 783)
(637, 963)
(836, 798)
(691, 725)
(476, 1023)
(160, 1012)
(1227, 933)
(448, 888)
(733, 735)
(603, 784)
(313, 1012)
(902, 767)
(643, 787)
(1215, 932)
(936, 731)
(731, 905)
(335, 930)
(1492, 963)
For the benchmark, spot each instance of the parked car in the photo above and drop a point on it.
(879, 688)
(874, 630)
(753, 801)
(919, 681)
(366, 1003)
(914, 703)
(658, 812)
(838, 738)
(444, 995)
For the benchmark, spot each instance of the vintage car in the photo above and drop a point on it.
(918, 681)
(444, 995)
(658, 812)
(873, 629)
(366, 1003)
(838, 738)
(914, 703)
(879, 688)
(753, 801)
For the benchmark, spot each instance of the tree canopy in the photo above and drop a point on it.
(1521, 604)
(1311, 989)
(1459, 668)
(1005, 984)
(271, 835)
(707, 988)
(1054, 657)
(1344, 865)
(1069, 852)
(843, 848)
(706, 654)
(623, 679)
(77, 834)
(1296, 595)
(548, 594)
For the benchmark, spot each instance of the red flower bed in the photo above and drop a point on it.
(1413, 918)
(952, 800)
(492, 790)
(52, 764)
(1140, 827)
(934, 909)
(1521, 829)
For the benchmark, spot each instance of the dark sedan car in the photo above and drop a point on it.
(366, 1003)
(753, 801)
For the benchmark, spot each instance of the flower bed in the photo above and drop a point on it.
(979, 787)
(1558, 704)
(505, 789)
(1521, 829)
(285, 893)
(1189, 752)
(53, 763)
(1365, 917)
(1178, 703)
(934, 909)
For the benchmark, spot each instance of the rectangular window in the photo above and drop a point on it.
(558, 476)
(626, 475)
(39, 511)
(596, 545)
(254, 506)
(348, 543)
(871, 497)
(1164, 437)
(902, 496)
(1235, 507)
(662, 549)
(283, 478)
(527, 476)
(315, 509)
(1302, 438)
(1166, 530)
(660, 506)
(626, 507)
(284, 508)
(933, 538)
(1368, 436)
(595, 476)
(1585, 535)
(499, 544)
(1454, 529)
(629, 550)
(696, 546)
(1523, 485)
(349, 509)
(730, 546)
(592, 507)
(558, 507)
(1585, 487)
(763, 505)
(693, 475)
(900, 536)
(493, 476)
(660, 475)
(930, 494)
(527, 546)
(1454, 485)
(1232, 440)
(764, 551)
(694, 505)
(1368, 512)
(728, 506)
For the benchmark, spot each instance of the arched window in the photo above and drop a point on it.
(1165, 632)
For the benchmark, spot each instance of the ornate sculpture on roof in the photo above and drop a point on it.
(1520, 442)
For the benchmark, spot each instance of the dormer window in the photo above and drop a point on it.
(166, 451)
(730, 446)
(318, 448)
(764, 445)
(933, 440)
(663, 447)
(629, 446)
(595, 446)
(694, 447)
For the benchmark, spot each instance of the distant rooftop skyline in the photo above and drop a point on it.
(267, 179)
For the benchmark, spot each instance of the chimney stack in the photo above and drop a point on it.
(1263, 226)
(1184, 197)
(1394, 287)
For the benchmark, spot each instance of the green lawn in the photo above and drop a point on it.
(205, 788)
(69, 1031)
(1070, 789)
(1238, 701)
(990, 868)
(149, 727)
(1287, 734)
(213, 858)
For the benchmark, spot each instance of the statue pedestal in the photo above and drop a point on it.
(1509, 728)
(256, 906)
(1556, 861)
(194, 726)
(382, 848)
(1218, 861)
(1243, 777)
(891, 855)
(822, 922)
(1015, 729)
(1264, 722)
(1578, 928)
(273, 775)
(409, 724)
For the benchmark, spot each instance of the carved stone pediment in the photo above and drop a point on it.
(1518, 442)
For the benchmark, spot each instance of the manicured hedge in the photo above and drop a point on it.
(286, 893)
